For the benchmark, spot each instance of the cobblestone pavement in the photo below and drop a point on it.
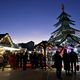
(35, 75)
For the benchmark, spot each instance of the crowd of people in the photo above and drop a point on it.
(69, 61)
(20, 60)
(38, 60)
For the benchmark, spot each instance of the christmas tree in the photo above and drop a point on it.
(65, 33)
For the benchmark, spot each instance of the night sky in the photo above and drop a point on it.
(33, 20)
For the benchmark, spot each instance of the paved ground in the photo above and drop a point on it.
(34, 75)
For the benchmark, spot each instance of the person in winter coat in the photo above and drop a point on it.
(58, 63)
(73, 60)
(66, 61)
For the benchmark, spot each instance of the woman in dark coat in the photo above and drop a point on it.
(73, 60)
(58, 63)
(66, 60)
(25, 59)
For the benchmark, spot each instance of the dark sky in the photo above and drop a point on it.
(27, 20)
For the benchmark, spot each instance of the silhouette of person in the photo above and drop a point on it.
(31, 60)
(58, 64)
(44, 61)
(5, 60)
(17, 60)
(73, 60)
(35, 60)
(66, 61)
(21, 57)
(40, 60)
(25, 59)
(12, 60)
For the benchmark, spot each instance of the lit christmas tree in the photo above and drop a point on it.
(65, 34)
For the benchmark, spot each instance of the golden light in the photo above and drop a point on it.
(2, 50)
(11, 49)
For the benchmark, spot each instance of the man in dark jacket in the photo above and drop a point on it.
(73, 60)
(58, 63)
(66, 61)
